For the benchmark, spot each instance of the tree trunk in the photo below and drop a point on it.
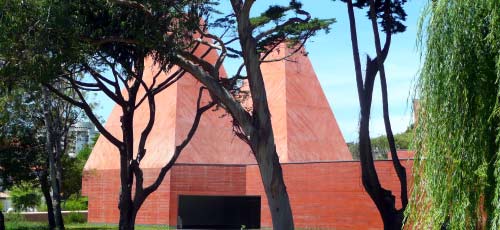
(56, 193)
(58, 157)
(126, 205)
(51, 151)
(2, 221)
(262, 138)
(127, 214)
(44, 184)
(383, 199)
(393, 219)
(274, 186)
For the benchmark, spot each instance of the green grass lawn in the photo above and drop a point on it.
(24, 225)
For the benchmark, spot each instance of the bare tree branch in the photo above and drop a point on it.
(97, 77)
(222, 48)
(243, 118)
(178, 149)
(86, 108)
(116, 75)
(295, 51)
(151, 120)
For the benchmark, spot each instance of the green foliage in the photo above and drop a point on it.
(24, 196)
(75, 217)
(43, 40)
(24, 225)
(16, 221)
(21, 147)
(273, 13)
(73, 172)
(14, 217)
(396, 12)
(72, 176)
(456, 170)
(75, 203)
(42, 207)
(380, 145)
(354, 149)
(279, 26)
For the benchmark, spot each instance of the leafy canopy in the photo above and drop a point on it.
(457, 177)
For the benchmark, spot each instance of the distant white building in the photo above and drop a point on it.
(80, 135)
(6, 202)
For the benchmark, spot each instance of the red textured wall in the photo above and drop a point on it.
(323, 195)
(402, 154)
(102, 187)
(205, 180)
(328, 195)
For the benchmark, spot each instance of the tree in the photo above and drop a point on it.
(59, 116)
(257, 40)
(20, 59)
(118, 37)
(23, 157)
(457, 146)
(381, 147)
(390, 15)
(25, 196)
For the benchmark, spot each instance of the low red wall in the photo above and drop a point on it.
(102, 187)
(323, 195)
(205, 180)
(328, 195)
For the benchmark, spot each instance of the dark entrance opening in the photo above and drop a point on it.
(218, 212)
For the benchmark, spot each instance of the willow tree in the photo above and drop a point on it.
(457, 166)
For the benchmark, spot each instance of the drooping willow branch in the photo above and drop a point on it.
(456, 179)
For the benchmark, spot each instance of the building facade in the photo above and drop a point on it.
(323, 182)
(80, 135)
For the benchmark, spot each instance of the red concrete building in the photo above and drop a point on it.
(323, 182)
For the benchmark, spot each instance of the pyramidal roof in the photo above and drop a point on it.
(304, 125)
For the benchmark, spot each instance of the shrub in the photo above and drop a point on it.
(42, 207)
(25, 196)
(75, 203)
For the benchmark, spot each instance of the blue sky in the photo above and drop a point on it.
(331, 56)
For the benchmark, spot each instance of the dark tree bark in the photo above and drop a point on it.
(51, 139)
(262, 140)
(130, 170)
(253, 126)
(400, 170)
(383, 199)
(44, 184)
(2, 221)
